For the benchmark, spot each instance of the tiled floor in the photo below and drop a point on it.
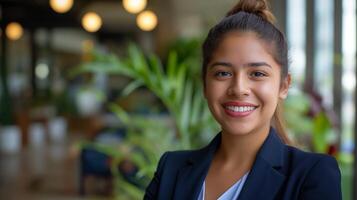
(50, 171)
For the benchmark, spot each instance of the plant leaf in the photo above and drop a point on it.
(131, 87)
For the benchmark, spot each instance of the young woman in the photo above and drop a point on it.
(245, 78)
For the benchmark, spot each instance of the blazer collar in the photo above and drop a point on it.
(265, 177)
(190, 178)
(272, 150)
(264, 174)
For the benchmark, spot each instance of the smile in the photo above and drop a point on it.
(240, 108)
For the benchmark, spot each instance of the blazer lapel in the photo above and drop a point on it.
(190, 178)
(263, 182)
(264, 179)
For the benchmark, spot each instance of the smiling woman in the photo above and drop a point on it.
(242, 85)
(245, 78)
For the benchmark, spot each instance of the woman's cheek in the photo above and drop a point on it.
(268, 91)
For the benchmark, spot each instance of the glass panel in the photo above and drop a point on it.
(348, 77)
(296, 28)
(324, 50)
(349, 87)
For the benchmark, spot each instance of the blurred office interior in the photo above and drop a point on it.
(94, 91)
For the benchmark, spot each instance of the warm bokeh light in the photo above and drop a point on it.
(134, 6)
(91, 22)
(14, 31)
(61, 6)
(146, 20)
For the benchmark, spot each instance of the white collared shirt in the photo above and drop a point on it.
(231, 194)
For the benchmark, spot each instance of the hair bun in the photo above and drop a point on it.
(257, 7)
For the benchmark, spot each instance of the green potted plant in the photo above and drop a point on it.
(178, 86)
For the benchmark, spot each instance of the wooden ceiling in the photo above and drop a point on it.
(37, 14)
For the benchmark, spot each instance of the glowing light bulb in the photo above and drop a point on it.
(91, 22)
(147, 20)
(134, 6)
(14, 31)
(61, 6)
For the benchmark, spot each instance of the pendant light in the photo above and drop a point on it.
(134, 6)
(91, 22)
(147, 20)
(14, 31)
(61, 6)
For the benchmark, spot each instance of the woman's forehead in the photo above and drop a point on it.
(244, 47)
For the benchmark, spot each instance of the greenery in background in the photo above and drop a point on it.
(65, 106)
(178, 86)
(147, 138)
(312, 133)
(316, 133)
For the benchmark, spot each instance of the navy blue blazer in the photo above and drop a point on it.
(279, 172)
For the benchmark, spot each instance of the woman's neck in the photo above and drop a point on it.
(240, 150)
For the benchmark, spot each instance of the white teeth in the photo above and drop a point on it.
(240, 108)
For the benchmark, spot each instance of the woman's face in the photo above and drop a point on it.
(242, 84)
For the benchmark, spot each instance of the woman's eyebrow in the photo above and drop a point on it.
(257, 64)
(224, 64)
(251, 64)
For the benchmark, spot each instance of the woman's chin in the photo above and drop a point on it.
(237, 131)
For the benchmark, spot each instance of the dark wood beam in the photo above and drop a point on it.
(310, 46)
(337, 69)
(6, 114)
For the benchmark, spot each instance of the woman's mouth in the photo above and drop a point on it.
(240, 108)
(233, 109)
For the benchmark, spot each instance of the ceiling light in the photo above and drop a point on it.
(61, 6)
(146, 20)
(14, 31)
(91, 22)
(134, 6)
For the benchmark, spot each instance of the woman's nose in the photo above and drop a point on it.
(239, 87)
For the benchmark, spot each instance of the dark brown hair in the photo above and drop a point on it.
(252, 16)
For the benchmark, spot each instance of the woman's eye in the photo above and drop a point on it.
(223, 74)
(258, 74)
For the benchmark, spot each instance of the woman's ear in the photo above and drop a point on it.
(285, 85)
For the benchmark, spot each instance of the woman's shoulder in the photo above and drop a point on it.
(316, 175)
(172, 161)
(300, 155)
(181, 156)
(312, 163)
(169, 165)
